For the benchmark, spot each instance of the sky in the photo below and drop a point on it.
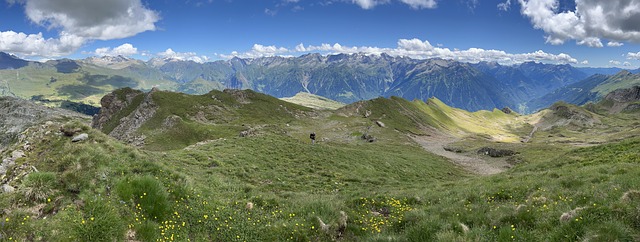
(584, 33)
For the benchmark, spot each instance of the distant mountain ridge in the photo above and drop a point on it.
(343, 77)
(592, 89)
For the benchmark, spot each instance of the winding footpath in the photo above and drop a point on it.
(436, 143)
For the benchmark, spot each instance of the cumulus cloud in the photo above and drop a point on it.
(633, 56)
(78, 22)
(615, 62)
(414, 48)
(588, 23)
(93, 19)
(123, 50)
(591, 42)
(35, 44)
(184, 56)
(414, 4)
(614, 44)
(264, 51)
(584, 62)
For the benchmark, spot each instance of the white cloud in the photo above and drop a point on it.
(414, 4)
(615, 62)
(270, 12)
(185, 56)
(633, 56)
(591, 42)
(369, 4)
(626, 63)
(37, 45)
(123, 50)
(421, 4)
(614, 44)
(414, 48)
(588, 23)
(78, 22)
(584, 62)
(93, 19)
(259, 50)
(505, 6)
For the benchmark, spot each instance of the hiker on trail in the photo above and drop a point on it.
(312, 136)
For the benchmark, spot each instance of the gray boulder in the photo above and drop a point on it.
(80, 137)
(7, 189)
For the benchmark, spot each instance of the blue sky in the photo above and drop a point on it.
(587, 33)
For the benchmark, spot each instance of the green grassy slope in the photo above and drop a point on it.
(191, 193)
(183, 120)
(418, 117)
(623, 79)
(85, 85)
(314, 101)
(275, 186)
(100, 189)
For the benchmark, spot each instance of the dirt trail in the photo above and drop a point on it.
(436, 143)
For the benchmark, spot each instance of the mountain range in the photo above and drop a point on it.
(346, 78)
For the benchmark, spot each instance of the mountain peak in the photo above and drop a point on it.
(623, 73)
(112, 62)
(9, 61)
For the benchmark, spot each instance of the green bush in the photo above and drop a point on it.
(147, 194)
(147, 231)
(38, 186)
(99, 221)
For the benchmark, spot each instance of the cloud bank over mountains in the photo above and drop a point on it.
(73, 24)
(413, 48)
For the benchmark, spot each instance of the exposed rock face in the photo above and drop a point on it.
(240, 95)
(625, 95)
(624, 99)
(507, 110)
(127, 126)
(16, 115)
(113, 103)
(171, 121)
(20, 122)
(563, 114)
(10, 161)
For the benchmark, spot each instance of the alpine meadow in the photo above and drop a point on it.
(133, 120)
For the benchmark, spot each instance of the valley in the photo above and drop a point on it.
(346, 78)
(313, 121)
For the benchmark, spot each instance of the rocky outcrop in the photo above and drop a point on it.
(566, 115)
(241, 96)
(31, 123)
(624, 99)
(112, 103)
(127, 127)
(16, 115)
